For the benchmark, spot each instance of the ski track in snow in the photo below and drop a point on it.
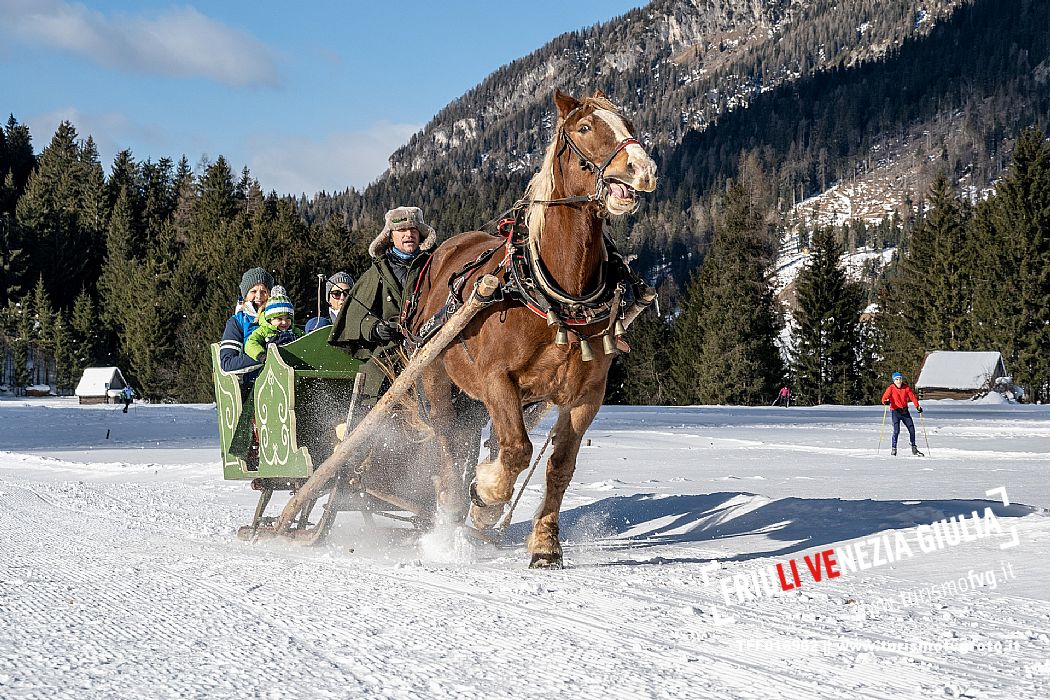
(123, 578)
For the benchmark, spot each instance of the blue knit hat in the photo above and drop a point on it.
(278, 305)
(255, 276)
(896, 376)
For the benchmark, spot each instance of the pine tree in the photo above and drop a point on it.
(115, 282)
(825, 362)
(926, 302)
(158, 200)
(20, 344)
(726, 349)
(14, 257)
(124, 179)
(1012, 292)
(207, 277)
(42, 335)
(185, 193)
(21, 160)
(63, 353)
(93, 211)
(946, 284)
(85, 333)
(646, 369)
(62, 214)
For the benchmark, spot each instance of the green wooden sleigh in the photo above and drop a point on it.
(300, 383)
(301, 394)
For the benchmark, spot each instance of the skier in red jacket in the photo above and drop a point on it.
(896, 397)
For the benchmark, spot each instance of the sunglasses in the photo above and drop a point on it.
(339, 293)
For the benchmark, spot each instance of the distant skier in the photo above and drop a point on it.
(783, 398)
(127, 394)
(896, 397)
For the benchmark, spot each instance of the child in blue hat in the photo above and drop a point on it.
(276, 326)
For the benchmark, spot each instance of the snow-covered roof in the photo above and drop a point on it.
(945, 369)
(95, 379)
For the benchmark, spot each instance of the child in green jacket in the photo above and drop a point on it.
(275, 325)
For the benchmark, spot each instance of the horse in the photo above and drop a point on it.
(517, 351)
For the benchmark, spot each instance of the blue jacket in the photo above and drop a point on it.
(232, 359)
(321, 321)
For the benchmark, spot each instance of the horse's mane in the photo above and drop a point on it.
(542, 183)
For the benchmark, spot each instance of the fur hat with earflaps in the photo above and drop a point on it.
(399, 219)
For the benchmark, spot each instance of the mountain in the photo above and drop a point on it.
(848, 107)
(675, 65)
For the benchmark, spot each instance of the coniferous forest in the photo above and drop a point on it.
(135, 263)
(139, 268)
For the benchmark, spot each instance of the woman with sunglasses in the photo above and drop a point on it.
(337, 291)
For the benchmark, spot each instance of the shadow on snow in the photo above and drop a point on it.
(647, 521)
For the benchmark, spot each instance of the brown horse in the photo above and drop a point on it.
(512, 355)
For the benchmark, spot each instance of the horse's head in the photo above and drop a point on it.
(599, 153)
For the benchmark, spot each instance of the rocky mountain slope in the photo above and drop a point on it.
(676, 65)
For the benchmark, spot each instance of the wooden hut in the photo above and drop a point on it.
(947, 374)
(100, 385)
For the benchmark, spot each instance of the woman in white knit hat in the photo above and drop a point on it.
(337, 291)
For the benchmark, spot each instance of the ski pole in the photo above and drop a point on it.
(922, 420)
(882, 430)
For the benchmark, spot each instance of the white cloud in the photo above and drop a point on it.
(179, 42)
(340, 160)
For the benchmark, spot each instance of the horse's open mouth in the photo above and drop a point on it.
(621, 191)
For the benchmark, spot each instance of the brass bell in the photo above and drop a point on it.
(618, 328)
(585, 350)
(552, 318)
(608, 345)
(562, 338)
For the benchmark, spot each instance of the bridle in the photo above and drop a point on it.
(601, 186)
(541, 277)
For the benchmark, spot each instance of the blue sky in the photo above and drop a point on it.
(309, 96)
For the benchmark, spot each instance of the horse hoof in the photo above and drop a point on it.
(485, 517)
(474, 497)
(548, 560)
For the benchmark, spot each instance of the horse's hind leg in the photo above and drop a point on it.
(451, 491)
(572, 422)
(494, 482)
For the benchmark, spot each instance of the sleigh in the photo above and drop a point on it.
(315, 440)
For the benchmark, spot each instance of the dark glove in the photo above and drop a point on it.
(386, 331)
(919, 409)
(886, 402)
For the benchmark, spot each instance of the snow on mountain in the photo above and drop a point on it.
(120, 575)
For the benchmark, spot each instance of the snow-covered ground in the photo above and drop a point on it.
(120, 575)
(791, 261)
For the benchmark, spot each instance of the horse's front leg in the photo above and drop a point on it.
(572, 423)
(494, 482)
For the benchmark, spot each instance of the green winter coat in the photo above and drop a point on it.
(256, 343)
(377, 296)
